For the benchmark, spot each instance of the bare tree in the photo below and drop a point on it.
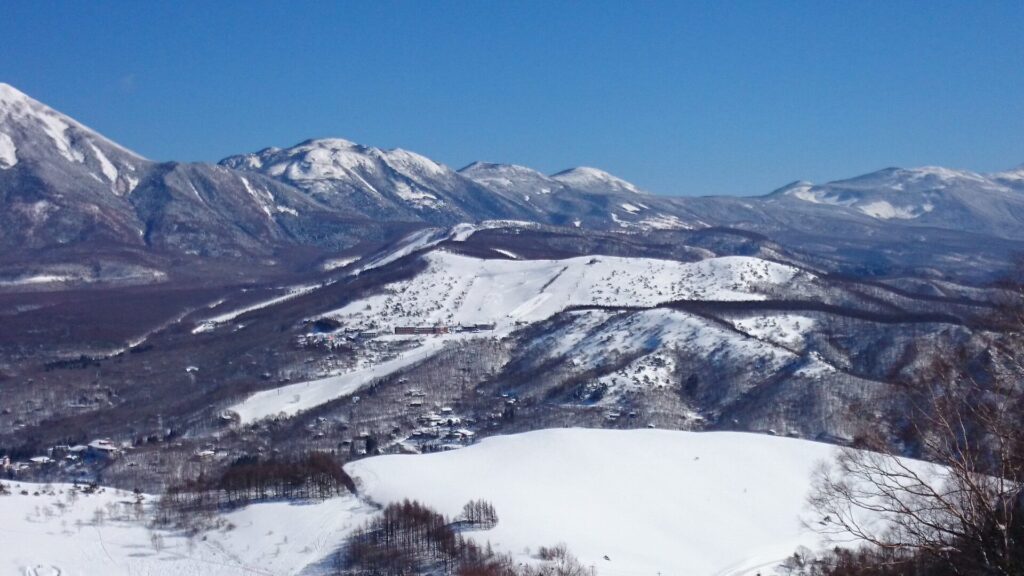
(963, 416)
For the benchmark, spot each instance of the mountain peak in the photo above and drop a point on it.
(328, 143)
(595, 180)
(23, 117)
(480, 168)
(10, 94)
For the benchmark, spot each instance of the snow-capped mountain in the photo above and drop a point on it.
(595, 181)
(33, 133)
(926, 196)
(512, 179)
(381, 184)
(61, 182)
(67, 188)
(580, 197)
(76, 206)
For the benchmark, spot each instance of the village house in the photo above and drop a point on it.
(103, 448)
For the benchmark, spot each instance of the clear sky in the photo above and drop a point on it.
(684, 98)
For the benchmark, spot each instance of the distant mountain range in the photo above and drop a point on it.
(74, 204)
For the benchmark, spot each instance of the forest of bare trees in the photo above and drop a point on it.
(410, 538)
(315, 475)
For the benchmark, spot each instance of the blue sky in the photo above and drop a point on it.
(683, 98)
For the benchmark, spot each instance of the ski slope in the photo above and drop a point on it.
(652, 501)
(210, 323)
(462, 290)
(456, 289)
(289, 400)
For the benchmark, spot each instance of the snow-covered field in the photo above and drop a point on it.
(99, 534)
(700, 504)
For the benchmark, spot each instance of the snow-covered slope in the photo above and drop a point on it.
(649, 501)
(49, 533)
(625, 502)
(595, 181)
(388, 184)
(512, 179)
(458, 289)
(930, 195)
(31, 131)
(290, 400)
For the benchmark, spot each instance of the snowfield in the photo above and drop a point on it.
(459, 289)
(48, 535)
(8, 152)
(700, 504)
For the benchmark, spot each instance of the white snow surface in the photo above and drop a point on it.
(789, 330)
(885, 211)
(46, 535)
(664, 222)
(700, 504)
(595, 181)
(214, 321)
(335, 263)
(457, 289)
(650, 501)
(8, 152)
(39, 279)
(510, 178)
(294, 398)
(508, 253)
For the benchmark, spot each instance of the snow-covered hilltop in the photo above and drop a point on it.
(929, 195)
(595, 181)
(458, 298)
(337, 166)
(512, 179)
(625, 502)
(461, 290)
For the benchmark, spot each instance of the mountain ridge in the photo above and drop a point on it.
(66, 189)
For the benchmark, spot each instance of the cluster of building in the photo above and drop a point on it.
(441, 329)
(62, 454)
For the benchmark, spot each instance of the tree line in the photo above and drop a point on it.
(314, 475)
(409, 538)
